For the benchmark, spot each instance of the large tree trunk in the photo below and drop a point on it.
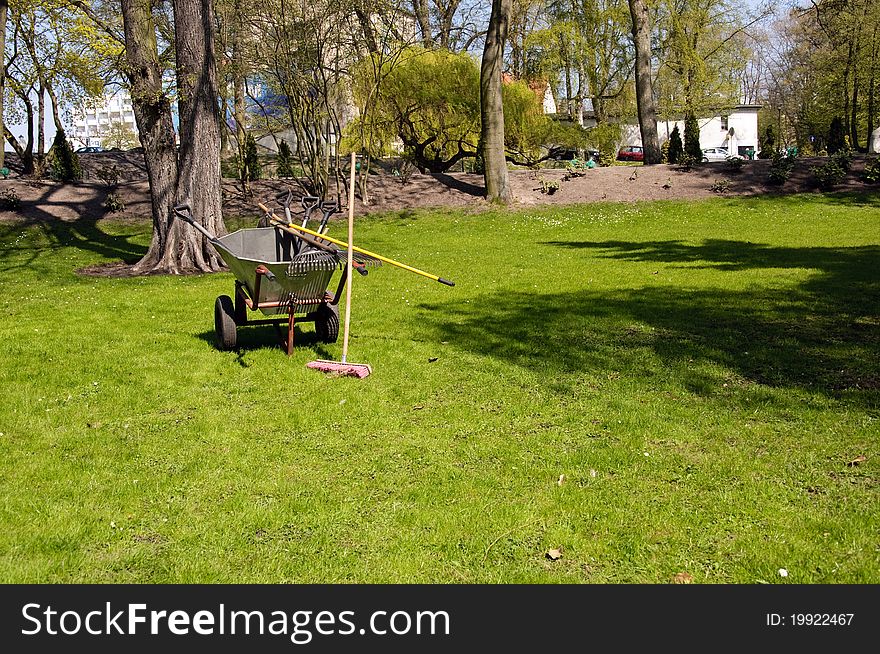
(198, 174)
(56, 109)
(41, 120)
(420, 9)
(491, 105)
(638, 9)
(25, 152)
(4, 9)
(152, 113)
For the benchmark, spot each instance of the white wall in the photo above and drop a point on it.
(741, 132)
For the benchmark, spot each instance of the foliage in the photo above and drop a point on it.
(430, 101)
(686, 161)
(781, 168)
(63, 161)
(285, 160)
(836, 136)
(119, 134)
(734, 164)
(9, 200)
(872, 170)
(549, 186)
(249, 167)
(767, 143)
(109, 175)
(843, 159)
(829, 174)
(720, 186)
(591, 38)
(692, 137)
(114, 202)
(530, 136)
(702, 55)
(675, 146)
(664, 152)
(605, 137)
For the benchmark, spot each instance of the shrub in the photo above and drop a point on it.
(734, 164)
(836, 136)
(692, 137)
(686, 161)
(114, 202)
(872, 171)
(9, 200)
(249, 165)
(767, 144)
(285, 160)
(780, 168)
(720, 186)
(664, 152)
(829, 174)
(109, 175)
(64, 162)
(549, 186)
(675, 147)
(843, 158)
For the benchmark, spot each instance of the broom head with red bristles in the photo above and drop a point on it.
(339, 369)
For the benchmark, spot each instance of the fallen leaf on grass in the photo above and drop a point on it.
(418, 407)
(682, 578)
(561, 480)
(432, 359)
(861, 458)
(554, 554)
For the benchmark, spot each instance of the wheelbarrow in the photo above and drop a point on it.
(278, 273)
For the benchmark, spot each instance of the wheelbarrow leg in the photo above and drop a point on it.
(290, 321)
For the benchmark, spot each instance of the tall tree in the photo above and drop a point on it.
(198, 172)
(641, 31)
(491, 105)
(4, 10)
(152, 113)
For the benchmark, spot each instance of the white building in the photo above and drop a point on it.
(736, 130)
(92, 122)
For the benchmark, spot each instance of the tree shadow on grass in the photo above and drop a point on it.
(83, 233)
(261, 337)
(822, 335)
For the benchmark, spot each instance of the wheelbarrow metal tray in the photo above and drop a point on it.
(300, 286)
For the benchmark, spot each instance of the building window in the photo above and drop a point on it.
(724, 123)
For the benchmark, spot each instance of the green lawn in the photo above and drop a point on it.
(653, 388)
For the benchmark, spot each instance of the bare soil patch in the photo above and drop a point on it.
(47, 200)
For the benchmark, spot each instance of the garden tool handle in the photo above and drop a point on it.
(184, 211)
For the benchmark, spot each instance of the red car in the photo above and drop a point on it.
(631, 153)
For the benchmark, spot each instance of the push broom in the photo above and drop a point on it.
(344, 368)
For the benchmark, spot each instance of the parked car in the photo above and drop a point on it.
(631, 153)
(718, 154)
(91, 148)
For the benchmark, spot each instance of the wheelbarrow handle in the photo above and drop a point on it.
(183, 211)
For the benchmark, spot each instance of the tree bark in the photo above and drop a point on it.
(4, 10)
(152, 113)
(420, 8)
(198, 173)
(492, 106)
(644, 86)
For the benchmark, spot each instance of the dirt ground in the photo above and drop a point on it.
(47, 200)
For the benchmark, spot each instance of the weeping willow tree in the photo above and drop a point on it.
(428, 101)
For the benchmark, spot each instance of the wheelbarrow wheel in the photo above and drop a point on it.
(224, 323)
(327, 323)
